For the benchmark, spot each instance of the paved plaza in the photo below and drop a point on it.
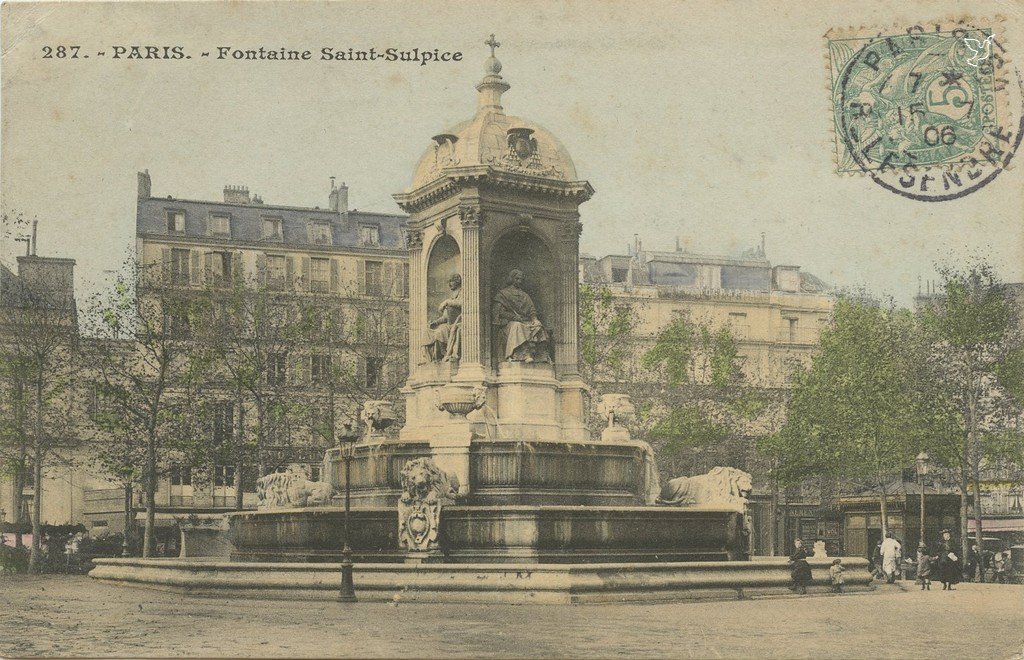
(65, 616)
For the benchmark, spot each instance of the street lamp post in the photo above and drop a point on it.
(922, 469)
(347, 594)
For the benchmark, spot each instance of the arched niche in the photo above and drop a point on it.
(523, 250)
(444, 261)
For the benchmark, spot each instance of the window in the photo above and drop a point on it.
(373, 284)
(405, 280)
(276, 271)
(178, 268)
(222, 422)
(220, 225)
(738, 324)
(272, 229)
(320, 369)
(320, 232)
(176, 324)
(792, 329)
(374, 372)
(314, 472)
(619, 274)
(224, 475)
(181, 475)
(277, 369)
(369, 235)
(220, 264)
(320, 274)
(175, 222)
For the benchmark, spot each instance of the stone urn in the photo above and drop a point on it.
(460, 400)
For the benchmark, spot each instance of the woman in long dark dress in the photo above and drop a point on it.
(948, 566)
(800, 570)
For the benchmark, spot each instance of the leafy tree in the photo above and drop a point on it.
(607, 341)
(703, 399)
(145, 374)
(856, 415)
(244, 345)
(38, 367)
(977, 365)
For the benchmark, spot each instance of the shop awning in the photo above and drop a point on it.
(1004, 525)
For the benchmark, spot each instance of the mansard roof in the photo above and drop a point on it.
(247, 223)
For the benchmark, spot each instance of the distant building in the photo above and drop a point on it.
(776, 312)
(336, 254)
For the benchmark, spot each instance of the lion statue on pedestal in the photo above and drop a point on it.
(425, 488)
(721, 486)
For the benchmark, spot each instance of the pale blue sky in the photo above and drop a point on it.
(706, 121)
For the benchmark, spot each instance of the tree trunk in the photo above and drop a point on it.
(976, 478)
(239, 456)
(129, 511)
(35, 558)
(963, 515)
(148, 539)
(18, 503)
(884, 508)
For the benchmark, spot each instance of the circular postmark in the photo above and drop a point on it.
(931, 116)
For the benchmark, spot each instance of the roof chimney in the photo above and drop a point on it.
(338, 197)
(145, 185)
(236, 195)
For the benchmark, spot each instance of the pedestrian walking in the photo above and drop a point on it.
(924, 567)
(999, 563)
(891, 553)
(948, 564)
(876, 561)
(972, 563)
(835, 575)
(800, 570)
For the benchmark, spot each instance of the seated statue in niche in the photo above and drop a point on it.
(526, 338)
(445, 334)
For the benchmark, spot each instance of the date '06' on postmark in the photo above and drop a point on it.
(931, 115)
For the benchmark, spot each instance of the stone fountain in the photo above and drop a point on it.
(494, 487)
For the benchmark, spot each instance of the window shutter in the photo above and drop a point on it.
(197, 271)
(334, 275)
(290, 272)
(208, 265)
(165, 264)
(237, 267)
(261, 267)
(362, 277)
(306, 274)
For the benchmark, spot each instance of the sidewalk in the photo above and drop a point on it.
(72, 615)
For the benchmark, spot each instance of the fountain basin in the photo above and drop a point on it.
(498, 534)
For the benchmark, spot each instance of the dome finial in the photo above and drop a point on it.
(492, 43)
(492, 86)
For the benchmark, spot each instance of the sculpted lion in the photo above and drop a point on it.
(291, 489)
(423, 481)
(721, 486)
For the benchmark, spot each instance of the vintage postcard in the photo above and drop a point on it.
(562, 328)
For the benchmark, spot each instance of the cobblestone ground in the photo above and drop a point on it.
(64, 616)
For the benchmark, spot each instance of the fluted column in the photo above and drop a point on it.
(568, 330)
(471, 310)
(417, 297)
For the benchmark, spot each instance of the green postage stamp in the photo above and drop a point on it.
(930, 112)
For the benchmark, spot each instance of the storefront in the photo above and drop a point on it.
(862, 518)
